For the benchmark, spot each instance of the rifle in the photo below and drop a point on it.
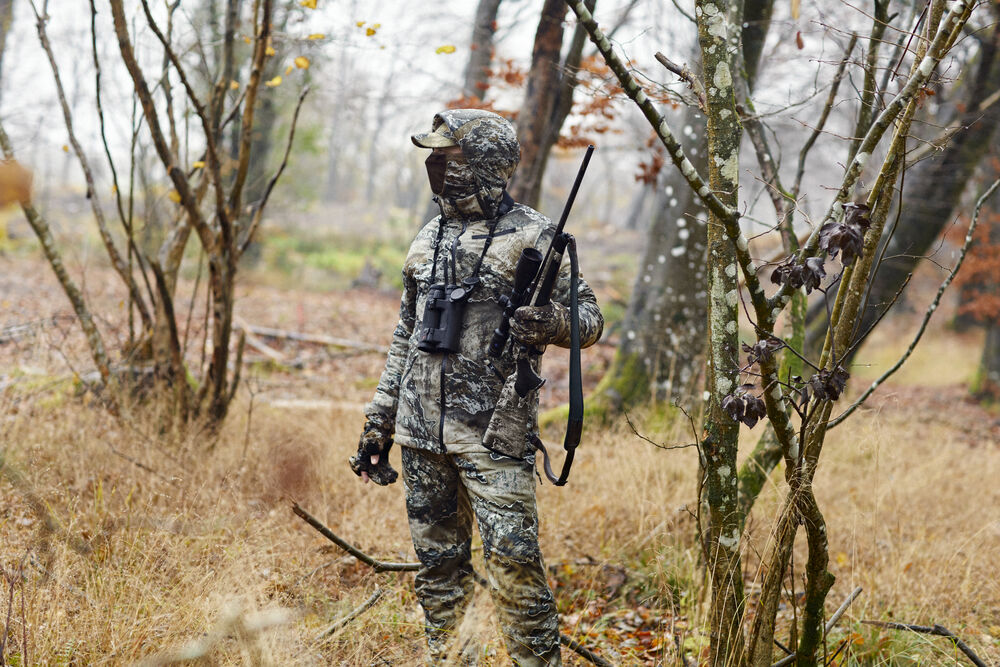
(534, 279)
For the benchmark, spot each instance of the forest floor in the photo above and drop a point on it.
(121, 543)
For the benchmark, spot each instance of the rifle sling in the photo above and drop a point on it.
(574, 424)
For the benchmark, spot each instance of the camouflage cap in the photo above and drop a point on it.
(488, 141)
(440, 137)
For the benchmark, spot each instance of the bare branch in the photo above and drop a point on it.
(259, 208)
(211, 150)
(943, 40)
(927, 315)
(935, 630)
(253, 86)
(685, 73)
(169, 160)
(341, 623)
(663, 131)
(653, 442)
(44, 233)
(377, 565)
(119, 264)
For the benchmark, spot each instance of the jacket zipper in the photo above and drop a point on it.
(444, 450)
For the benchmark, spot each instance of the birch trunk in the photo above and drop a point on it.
(719, 26)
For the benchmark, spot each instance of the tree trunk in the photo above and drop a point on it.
(539, 103)
(987, 385)
(717, 21)
(477, 70)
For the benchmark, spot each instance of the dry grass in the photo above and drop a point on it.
(913, 512)
(123, 563)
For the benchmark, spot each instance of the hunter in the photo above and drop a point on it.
(439, 389)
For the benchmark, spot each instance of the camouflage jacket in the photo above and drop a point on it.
(444, 401)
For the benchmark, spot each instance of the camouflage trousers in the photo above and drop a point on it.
(444, 492)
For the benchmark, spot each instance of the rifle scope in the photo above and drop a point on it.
(524, 274)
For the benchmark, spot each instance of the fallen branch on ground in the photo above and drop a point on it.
(318, 339)
(377, 565)
(382, 566)
(935, 630)
(341, 623)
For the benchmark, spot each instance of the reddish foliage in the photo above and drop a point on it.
(980, 273)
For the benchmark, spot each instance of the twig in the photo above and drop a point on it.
(935, 630)
(655, 118)
(685, 73)
(843, 608)
(927, 315)
(583, 651)
(787, 660)
(653, 442)
(827, 107)
(117, 262)
(377, 565)
(341, 623)
(259, 207)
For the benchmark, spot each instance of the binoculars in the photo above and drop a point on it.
(443, 313)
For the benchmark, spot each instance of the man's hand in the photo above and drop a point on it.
(541, 325)
(372, 460)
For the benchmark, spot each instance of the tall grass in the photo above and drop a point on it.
(198, 548)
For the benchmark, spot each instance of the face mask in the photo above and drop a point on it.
(437, 164)
(450, 175)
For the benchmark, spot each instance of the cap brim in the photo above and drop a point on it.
(432, 140)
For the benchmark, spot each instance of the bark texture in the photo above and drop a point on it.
(719, 26)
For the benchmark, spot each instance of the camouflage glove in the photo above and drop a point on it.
(376, 439)
(541, 325)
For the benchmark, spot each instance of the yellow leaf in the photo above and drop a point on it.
(276, 81)
(841, 559)
(302, 62)
(65, 148)
(288, 70)
(369, 32)
(795, 9)
(359, 23)
(447, 48)
(121, 304)
(308, 4)
(269, 51)
(234, 84)
(246, 39)
(376, 25)
(316, 35)
(114, 189)
(198, 164)
(174, 196)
